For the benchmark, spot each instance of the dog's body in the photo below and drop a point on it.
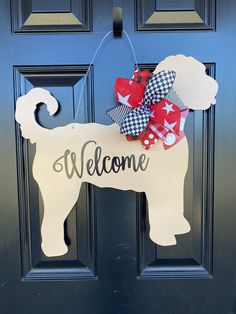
(158, 173)
(70, 155)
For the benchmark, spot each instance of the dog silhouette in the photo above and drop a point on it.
(70, 155)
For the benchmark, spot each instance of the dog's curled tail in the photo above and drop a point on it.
(25, 112)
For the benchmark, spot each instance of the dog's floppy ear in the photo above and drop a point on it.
(196, 89)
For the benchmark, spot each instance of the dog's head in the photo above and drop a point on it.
(196, 89)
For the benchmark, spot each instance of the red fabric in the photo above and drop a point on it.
(181, 135)
(148, 138)
(156, 131)
(165, 117)
(142, 77)
(129, 93)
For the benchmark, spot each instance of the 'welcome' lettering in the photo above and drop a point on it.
(75, 165)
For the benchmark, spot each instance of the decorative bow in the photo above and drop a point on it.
(149, 108)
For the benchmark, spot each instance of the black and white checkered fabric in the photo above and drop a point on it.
(136, 121)
(119, 113)
(159, 86)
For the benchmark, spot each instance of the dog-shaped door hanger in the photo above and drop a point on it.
(70, 155)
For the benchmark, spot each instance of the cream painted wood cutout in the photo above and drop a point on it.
(70, 155)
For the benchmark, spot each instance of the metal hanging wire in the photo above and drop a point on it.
(102, 42)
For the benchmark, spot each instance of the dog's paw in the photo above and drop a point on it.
(164, 225)
(181, 226)
(162, 238)
(54, 249)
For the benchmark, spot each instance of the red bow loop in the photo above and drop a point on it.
(129, 93)
(166, 114)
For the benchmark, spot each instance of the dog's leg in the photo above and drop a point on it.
(166, 196)
(166, 216)
(57, 206)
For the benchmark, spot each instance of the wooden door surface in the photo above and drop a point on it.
(112, 266)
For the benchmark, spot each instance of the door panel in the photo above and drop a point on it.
(51, 16)
(65, 83)
(161, 15)
(192, 257)
(112, 265)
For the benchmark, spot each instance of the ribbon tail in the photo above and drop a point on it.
(118, 113)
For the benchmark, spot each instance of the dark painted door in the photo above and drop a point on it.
(112, 266)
